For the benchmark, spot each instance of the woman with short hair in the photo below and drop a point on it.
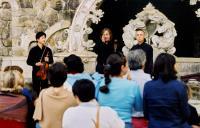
(136, 63)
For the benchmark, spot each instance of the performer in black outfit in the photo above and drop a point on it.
(39, 57)
(103, 49)
(146, 48)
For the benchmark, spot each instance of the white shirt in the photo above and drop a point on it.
(84, 116)
(140, 77)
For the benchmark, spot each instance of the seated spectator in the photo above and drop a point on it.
(194, 119)
(165, 98)
(13, 67)
(53, 101)
(88, 114)
(14, 105)
(115, 89)
(136, 62)
(75, 68)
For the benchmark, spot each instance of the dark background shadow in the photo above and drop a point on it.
(117, 13)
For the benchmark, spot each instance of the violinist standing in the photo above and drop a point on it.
(39, 57)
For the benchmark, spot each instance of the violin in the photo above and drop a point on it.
(42, 73)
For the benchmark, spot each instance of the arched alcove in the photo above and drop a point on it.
(117, 13)
(92, 15)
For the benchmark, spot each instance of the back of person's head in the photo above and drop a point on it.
(84, 89)
(136, 59)
(39, 34)
(13, 81)
(57, 74)
(74, 64)
(113, 67)
(164, 67)
(13, 67)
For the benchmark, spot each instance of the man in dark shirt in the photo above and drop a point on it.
(146, 48)
(39, 56)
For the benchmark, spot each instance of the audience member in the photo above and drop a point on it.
(75, 70)
(118, 93)
(88, 114)
(14, 101)
(53, 101)
(165, 98)
(136, 62)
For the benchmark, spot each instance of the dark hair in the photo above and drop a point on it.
(109, 31)
(84, 89)
(139, 29)
(113, 68)
(39, 34)
(164, 67)
(74, 64)
(57, 74)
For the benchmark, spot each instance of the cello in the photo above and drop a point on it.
(42, 73)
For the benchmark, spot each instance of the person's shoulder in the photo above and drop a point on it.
(107, 110)
(147, 76)
(70, 111)
(179, 85)
(148, 45)
(149, 83)
(99, 43)
(134, 47)
(85, 75)
(34, 48)
(48, 48)
(130, 83)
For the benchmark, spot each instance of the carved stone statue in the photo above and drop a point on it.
(5, 24)
(194, 2)
(25, 3)
(79, 30)
(160, 32)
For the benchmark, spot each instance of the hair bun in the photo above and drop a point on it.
(107, 67)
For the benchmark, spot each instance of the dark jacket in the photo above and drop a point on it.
(103, 51)
(166, 104)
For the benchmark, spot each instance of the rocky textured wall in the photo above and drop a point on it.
(21, 19)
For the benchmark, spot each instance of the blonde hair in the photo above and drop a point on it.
(13, 81)
(189, 91)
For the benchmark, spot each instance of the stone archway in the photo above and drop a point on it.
(88, 12)
(160, 31)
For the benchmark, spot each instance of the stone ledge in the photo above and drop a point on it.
(186, 66)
